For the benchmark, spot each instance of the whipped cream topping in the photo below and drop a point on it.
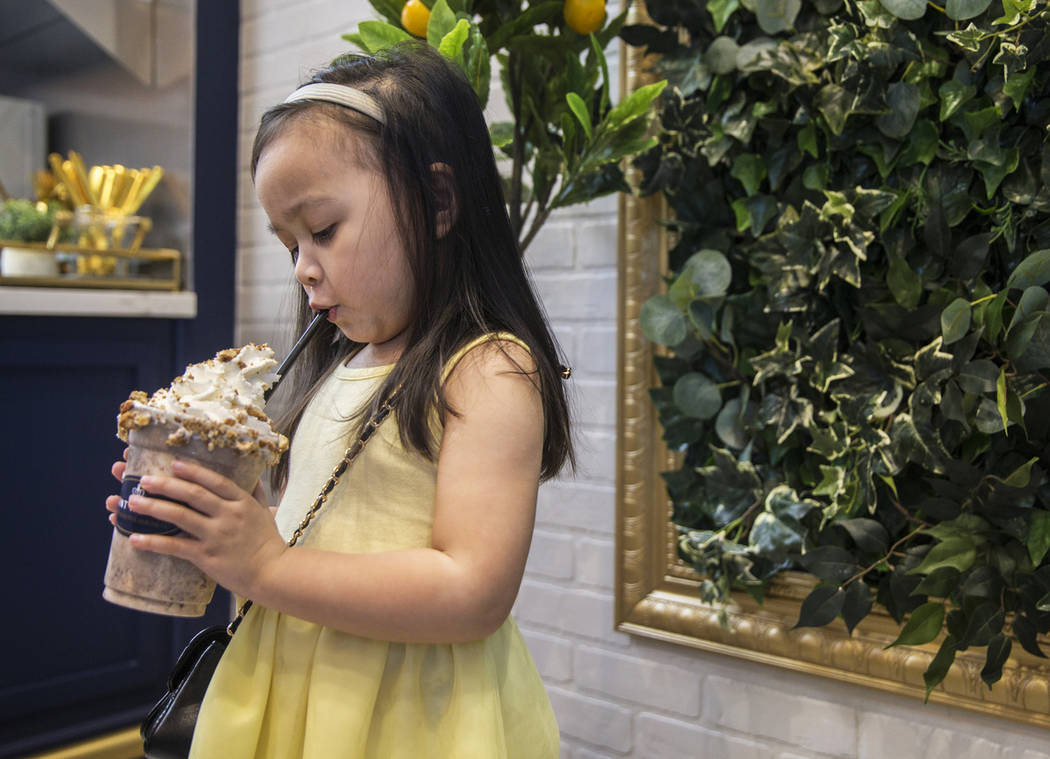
(220, 400)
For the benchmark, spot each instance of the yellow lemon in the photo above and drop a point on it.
(584, 16)
(414, 17)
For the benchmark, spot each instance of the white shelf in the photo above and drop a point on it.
(68, 301)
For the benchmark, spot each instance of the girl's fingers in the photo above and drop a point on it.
(175, 489)
(118, 470)
(183, 517)
(206, 478)
(179, 547)
(113, 503)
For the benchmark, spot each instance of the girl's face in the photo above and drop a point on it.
(332, 211)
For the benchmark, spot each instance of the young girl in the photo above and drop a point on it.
(385, 631)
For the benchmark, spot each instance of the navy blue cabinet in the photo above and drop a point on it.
(72, 665)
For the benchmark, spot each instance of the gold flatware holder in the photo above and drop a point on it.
(156, 268)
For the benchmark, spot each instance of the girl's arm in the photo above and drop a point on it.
(460, 589)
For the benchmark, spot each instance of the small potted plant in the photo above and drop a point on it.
(22, 220)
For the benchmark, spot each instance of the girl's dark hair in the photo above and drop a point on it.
(470, 282)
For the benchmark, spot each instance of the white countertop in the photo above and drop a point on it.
(69, 301)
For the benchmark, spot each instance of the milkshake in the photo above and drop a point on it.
(212, 415)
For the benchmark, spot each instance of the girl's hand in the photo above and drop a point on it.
(113, 501)
(230, 536)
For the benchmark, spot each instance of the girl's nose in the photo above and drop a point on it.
(307, 271)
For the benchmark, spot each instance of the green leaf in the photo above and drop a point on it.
(909, 10)
(998, 653)
(904, 102)
(356, 40)
(955, 320)
(442, 21)
(729, 424)
(833, 102)
(720, 56)
(904, 284)
(1000, 397)
(978, 376)
(821, 606)
(968, 39)
(634, 105)
(923, 625)
(662, 322)
(775, 16)
(959, 553)
(1027, 635)
(1038, 539)
(954, 95)
(772, 537)
(750, 169)
(868, 534)
(960, 10)
(501, 133)
(939, 583)
(1020, 477)
(451, 45)
(857, 604)
(711, 272)
(697, 396)
(942, 662)
(720, 11)
(1033, 270)
(985, 621)
(830, 563)
(1017, 85)
(579, 109)
(379, 35)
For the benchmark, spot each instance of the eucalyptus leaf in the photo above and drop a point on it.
(710, 271)
(729, 425)
(662, 322)
(960, 10)
(721, 55)
(909, 10)
(697, 396)
(775, 16)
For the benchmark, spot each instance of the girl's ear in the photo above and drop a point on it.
(445, 196)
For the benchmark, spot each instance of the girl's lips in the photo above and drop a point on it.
(331, 314)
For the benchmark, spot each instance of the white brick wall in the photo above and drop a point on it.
(615, 695)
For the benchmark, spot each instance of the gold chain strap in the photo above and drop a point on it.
(351, 453)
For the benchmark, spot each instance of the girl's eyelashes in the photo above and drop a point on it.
(319, 238)
(326, 234)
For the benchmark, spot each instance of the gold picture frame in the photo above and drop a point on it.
(656, 592)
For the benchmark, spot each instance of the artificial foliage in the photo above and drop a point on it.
(566, 139)
(856, 331)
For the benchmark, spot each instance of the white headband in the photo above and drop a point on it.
(341, 95)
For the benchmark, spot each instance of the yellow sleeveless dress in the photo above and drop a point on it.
(289, 688)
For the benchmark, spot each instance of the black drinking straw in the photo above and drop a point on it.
(315, 324)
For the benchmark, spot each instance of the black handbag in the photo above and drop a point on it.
(167, 731)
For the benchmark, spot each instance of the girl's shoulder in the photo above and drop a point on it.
(491, 353)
